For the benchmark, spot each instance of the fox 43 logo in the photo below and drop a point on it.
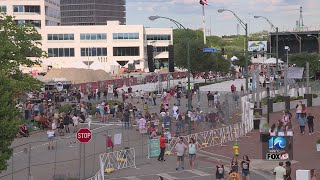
(277, 156)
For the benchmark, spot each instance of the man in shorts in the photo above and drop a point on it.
(181, 150)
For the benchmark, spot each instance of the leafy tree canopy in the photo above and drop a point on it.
(301, 59)
(18, 44)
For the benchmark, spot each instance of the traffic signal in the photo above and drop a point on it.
(222, 51)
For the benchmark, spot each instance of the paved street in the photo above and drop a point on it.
(64, 160)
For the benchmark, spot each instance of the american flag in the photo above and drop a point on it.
(203, 2)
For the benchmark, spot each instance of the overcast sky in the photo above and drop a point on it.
(282, 13)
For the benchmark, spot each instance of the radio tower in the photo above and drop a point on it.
(301, 25)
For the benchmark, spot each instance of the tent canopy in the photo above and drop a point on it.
(234, 58)
(272, 61)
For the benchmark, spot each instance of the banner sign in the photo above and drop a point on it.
(153, 148)
(257, 46)
(295, 72)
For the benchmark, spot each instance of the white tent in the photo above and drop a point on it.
(234, 58)
(272, 61)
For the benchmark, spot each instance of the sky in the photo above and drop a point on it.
(282, 13)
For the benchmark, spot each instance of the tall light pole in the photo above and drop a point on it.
(277, 47)
(286, 72)
(300, 41)
(180, 26)
(318, 39)
(245, 27)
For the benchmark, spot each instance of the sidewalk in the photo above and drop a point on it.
(304, 146)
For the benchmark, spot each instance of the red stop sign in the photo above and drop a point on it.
(84, 135)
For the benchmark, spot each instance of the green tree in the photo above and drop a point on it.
(18, 44)
(301, 59)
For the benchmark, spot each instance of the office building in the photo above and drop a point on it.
(92, 12)
(107, 47)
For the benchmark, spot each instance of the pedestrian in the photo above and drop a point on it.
(313, 174)
(50, 134)
(126, 118)
(242, 88)
(220, 171)
(310, 119)
(89, 120)
(245, 165)
(280, 172)
(162, 148)
(154, 97)
(192, 152)
(75, 120)
(302, 123)
(234, 165)
(288, 171)
(181, 150)
(66, 122)
(110, 145)
(160, 178)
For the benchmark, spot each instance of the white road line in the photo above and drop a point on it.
(68, 137)
(132, 178)
(167, 176)
(199, 173)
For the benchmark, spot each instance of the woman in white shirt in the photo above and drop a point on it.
(75, 120)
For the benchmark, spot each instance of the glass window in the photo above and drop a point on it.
(66, 37)
(99, 37)
(54, 37)
(136, 35)
(61, 52)
(126, 35)
(60, 36)
(93, 51)
(49, 36)
(126, 51)
(99, 53)
(104, 51)
(50, 52)
(3, 8)
(115, 35)
(71, 52)
(93, 36)
(87, 36)
(71, 36)
(103, 36)
(120, 35)
(83, 51)
(55, 52)
(66, 52)
(82, 36)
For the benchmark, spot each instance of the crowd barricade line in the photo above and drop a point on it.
(116, 160)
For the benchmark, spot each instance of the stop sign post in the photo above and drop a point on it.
(84, 135)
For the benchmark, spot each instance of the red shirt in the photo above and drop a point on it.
(109, 143)
(162, 142)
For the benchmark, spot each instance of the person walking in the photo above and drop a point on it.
(310, 119)
(245, 164)
(50, 134)
(313, 174)
(181, 150)
(126, 118)
(288, 171)
(280, 172)
(162, 148)
(220, 171)
(110, 144)
(192, 152)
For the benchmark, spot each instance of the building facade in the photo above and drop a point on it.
(41, 13)
(92, 12)
(111, 45)
(106, 47)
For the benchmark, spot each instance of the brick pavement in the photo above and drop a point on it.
(304, 146)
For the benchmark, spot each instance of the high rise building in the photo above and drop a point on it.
(92, 12)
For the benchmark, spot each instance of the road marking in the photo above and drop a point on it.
(167, 176)
(199, 173)
(132, 178)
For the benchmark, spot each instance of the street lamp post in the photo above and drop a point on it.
(286, 72)
(277, 47)
(245, 27)
(180, 26)
(318, 39)
(300, 41)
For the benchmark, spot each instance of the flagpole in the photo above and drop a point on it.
(204, 25)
